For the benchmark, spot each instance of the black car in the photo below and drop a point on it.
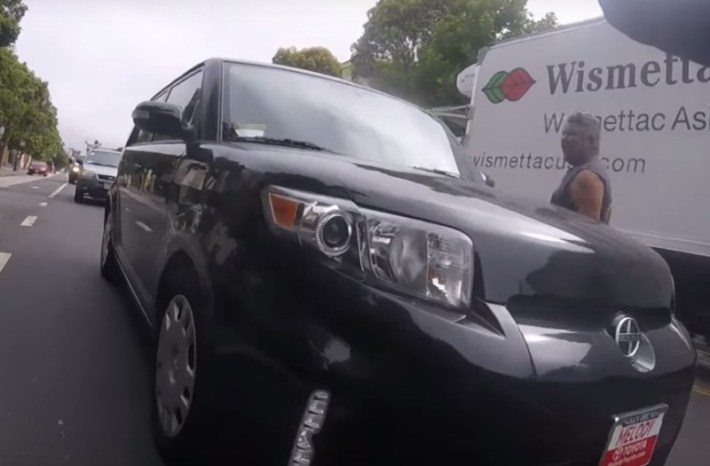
(325, 273)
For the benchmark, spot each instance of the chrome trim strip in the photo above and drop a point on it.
(312, 421)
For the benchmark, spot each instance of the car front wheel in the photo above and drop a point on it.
(109, 266)
(182, 373)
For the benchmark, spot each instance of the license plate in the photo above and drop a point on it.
(633, 437)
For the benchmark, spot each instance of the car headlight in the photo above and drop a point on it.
(75, 169)
(425, 260)
(430, 261)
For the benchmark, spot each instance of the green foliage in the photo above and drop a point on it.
(416, 48)
(11, 13)
(26, 110)
(317, 59)
(60, 160)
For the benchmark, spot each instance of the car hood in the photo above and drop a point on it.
(522, 248)
(101, 169)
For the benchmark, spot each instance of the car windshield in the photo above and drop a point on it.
(106, 158)
(273, 105)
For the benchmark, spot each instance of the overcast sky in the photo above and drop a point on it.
(102, 57)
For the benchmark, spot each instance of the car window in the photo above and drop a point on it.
(347, 119)
(103, 157)
(162, 97)
(186, 95)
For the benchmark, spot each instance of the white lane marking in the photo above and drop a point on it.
(43, 204)
(143, 226)
(4, 258)
(58, 190)
(35, 187)
(29, 221)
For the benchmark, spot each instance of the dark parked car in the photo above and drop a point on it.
(38, 168)
(326, 275)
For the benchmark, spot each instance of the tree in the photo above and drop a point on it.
(11, 13)
(317, 59)
(416, 48)
(60, 159)
(26, 110)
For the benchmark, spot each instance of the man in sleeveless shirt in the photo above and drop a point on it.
(585, 188)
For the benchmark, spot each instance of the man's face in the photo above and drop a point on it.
(576, 144)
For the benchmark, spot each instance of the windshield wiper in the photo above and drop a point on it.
(439, 172)
(281, 142)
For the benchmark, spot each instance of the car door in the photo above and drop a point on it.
(129, 181)
(151, 164)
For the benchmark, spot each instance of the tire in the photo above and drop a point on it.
(189, 444)
(78, 197)
(108, 263)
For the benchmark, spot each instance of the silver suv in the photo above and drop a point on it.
(97, 172)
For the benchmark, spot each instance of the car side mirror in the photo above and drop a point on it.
(159, 118)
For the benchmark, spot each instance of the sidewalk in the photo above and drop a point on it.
(7, 171)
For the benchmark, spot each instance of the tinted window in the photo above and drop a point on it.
(161, 97)
(270, 102)
(186, 95)
(100, 157)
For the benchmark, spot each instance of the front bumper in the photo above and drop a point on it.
(438, 408)
(93, 187)
(410, 385)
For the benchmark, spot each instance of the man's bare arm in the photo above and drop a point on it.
(587, 191)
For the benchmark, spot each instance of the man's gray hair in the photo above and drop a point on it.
(588, 123)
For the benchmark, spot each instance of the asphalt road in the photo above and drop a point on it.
(74, 384)
(73, 366)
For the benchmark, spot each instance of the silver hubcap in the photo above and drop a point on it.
(176, 366)
(105, 241)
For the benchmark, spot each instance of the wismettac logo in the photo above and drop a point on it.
(508, 86)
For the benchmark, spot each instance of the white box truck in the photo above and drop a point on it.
(655, 117)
